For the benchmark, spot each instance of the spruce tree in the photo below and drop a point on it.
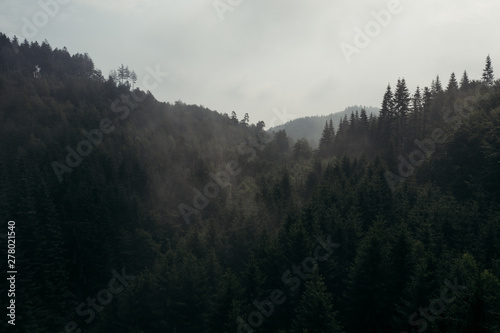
(225, 307)
(386, 115)
(369, 287)
(464, 82)
(439, 86)
(426, 109)
(416, 120)
(234, 117)
(402, 108)
(315, 313)
(401, 99)
(452, 84)
(436, 86)
(363, 121)
(246, 120)
(387, 110)
(488, 77)
(326, 141)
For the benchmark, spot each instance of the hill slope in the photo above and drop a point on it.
(137, 216)
(312, 127)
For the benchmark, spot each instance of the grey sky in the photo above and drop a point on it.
(269, 55)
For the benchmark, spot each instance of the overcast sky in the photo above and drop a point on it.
(275, 59)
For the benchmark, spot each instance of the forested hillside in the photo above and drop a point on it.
(135, 215)
(310, 128)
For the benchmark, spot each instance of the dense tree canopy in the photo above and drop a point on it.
(165, 217)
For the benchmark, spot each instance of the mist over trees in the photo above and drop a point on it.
(389, 224)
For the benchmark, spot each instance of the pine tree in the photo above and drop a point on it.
(464, 82)
(315, 313)
(302, 149)
(417, 113)
(122, 73)
(387, 110)
(475, 301)
(245, 121)
(439, 86)
(226, 305)
(452, 84)
(51, 266)
(401, 99)
(426, 109)
(402, 261)
(133, 77)
(436, 86)
(402, 107)
(326, 141)
(234, 118)
(363, 122)
(113, 74)
(352, 125)
(127, 73)
(488, 77)
(369, 289)
(260, 125)
(254, 279)
(386, 115)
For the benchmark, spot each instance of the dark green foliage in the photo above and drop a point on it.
(315, 312)
(488, 77)
(453, 84)
(253, 237)
(311, 127)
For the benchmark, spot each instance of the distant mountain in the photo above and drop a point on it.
(312, 127)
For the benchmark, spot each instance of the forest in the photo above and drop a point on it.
(135, 215)
(310, 128)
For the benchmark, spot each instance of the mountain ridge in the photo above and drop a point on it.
(311, 127)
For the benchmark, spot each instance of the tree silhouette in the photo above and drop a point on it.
(488, 77)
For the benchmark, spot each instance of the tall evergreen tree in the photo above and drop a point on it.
(452, 83)
(401, 99)
(326, 141)
(133, 77)
(234, 117)
(387, 110)
(402, 107)
(369, 289)
(315, 313)
(246, 120)
(363, 122)
(464, 82)
(386, 116)
(426, 109)
(122, 73)
(416, 121)
(488, 77)
(436, 86)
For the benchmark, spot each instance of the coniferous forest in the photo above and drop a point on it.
(140, 216)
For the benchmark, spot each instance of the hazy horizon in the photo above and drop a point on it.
(261, 58)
